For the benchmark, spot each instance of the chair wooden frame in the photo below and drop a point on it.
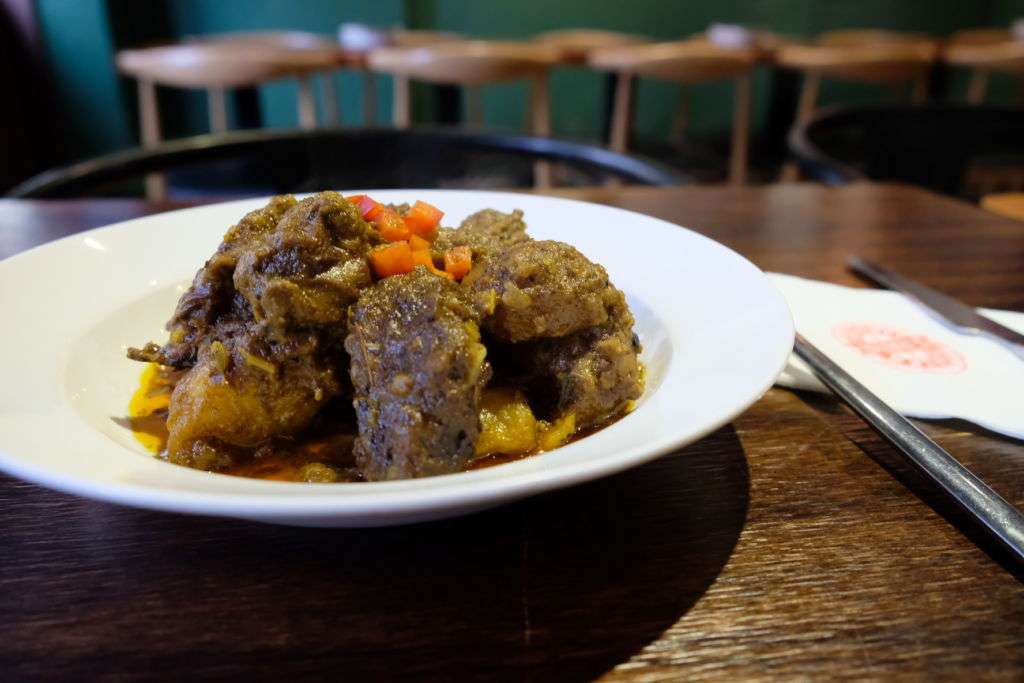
(686, 62)
(472, 64)
(235, 60)
(575, 44)
(862, 55)
(984, 51)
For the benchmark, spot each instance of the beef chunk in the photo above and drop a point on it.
(236, 396)
(593, 374)
(309, 268)
(417, 368)
(540, 289)
(261, 330)
(212, 298)
(485, 232)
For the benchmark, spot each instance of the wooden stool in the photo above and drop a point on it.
(690, 61)
(471, 64)
(984, 51)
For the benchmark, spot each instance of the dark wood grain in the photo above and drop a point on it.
(792, 544)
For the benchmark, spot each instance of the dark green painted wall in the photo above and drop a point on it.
(277, 100)
(80, 50)
(83, 35)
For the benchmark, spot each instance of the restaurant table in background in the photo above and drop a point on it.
(782, 545)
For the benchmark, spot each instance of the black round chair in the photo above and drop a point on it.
(958, 150)
(270, 162)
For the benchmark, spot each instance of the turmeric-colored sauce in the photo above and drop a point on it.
(147, 411)
(323, 453)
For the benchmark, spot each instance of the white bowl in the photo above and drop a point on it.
(715, 335)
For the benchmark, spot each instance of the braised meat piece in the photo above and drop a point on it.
(593, 374)
(263, 326)
(418, 369)
(212, 300)
(540, 289)
(485, 232)
(236, 396)
(285, 323)
(309, 268)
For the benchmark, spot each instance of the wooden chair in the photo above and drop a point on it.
(873, 56)
(216, 64)
(403, 37)
(860, 55)
(984, 51)
(311, 47)
(575, 44)
(472, 64)
(690, 61)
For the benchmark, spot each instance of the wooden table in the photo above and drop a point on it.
(785, 545)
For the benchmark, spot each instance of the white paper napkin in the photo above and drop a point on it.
(913, 362)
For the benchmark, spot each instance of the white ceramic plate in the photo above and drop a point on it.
(715, 335)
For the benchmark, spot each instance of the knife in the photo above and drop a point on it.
(955, 313)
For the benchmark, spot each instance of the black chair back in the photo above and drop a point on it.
(958, 150)
(270, 162)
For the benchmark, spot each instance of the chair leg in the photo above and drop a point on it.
(740, 131)
(400, 102)
(977, 87)
(306, 103)
(621, 113)
(540, 124)
(808, 97)
(681, 119)
(368, 81)
(217, 104)
(332, 113)
(804, 111)
(919, 90)
(149, 134)
(474, 106)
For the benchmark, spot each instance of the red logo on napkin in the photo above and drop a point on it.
(900, 349)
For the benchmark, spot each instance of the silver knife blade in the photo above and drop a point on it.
(958, 314)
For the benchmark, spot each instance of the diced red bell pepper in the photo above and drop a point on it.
(368, 208)
(423, 219)
(390, 224)
(392, 259)
(458, 261)
(417, 243)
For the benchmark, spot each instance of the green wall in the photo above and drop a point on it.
(82, 36)
(277, 100)
(80, 50)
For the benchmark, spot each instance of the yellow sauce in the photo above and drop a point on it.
(147, 410)
(332, 444)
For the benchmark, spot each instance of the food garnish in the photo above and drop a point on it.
(418, 230)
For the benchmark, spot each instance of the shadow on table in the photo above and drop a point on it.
(565, 585)
(1000, 451)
